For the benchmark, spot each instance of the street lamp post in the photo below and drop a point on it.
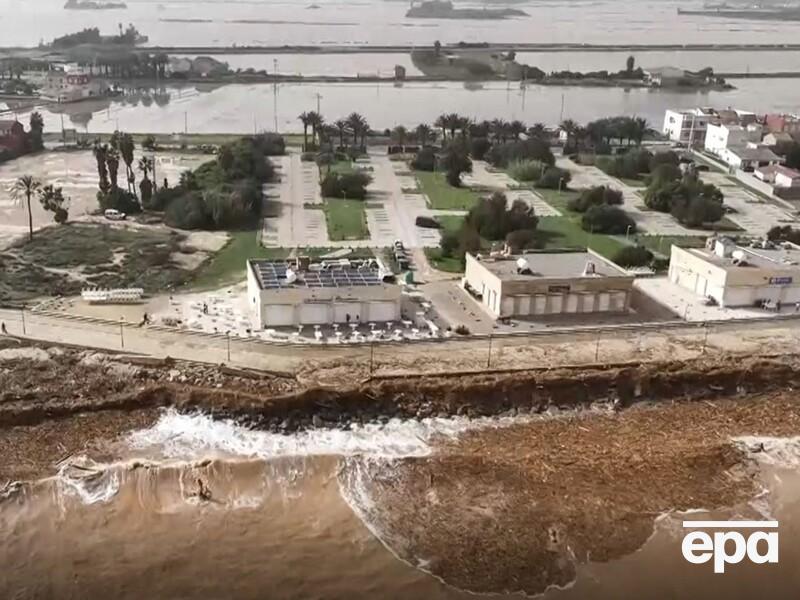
(228, 336)
(121, 335)
(627, 232)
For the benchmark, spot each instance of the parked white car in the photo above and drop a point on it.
(114, 215)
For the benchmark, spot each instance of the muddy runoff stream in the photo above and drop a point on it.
(567, 500)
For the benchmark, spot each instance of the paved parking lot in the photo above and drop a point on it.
(540, 207)
(649, 221)
(754, 214)
(482, 177)
(295, 225)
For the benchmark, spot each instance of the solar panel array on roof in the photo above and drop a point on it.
(272, 275)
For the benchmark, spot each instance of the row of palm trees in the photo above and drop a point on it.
(354, 127)
(107, 156)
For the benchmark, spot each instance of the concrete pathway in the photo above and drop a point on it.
(649, 221)
(753, 213)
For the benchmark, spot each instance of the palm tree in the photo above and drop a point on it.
(642, 129)
(569, 126)
(304, 119)
(112, 162)
(100, 153)
(316, 121)
(340, 125)
(537, 130)
(145, 166)
(441, 122)
(453, 123)
(464, 125)
(399, 135)
(26, 186)
(516, 128)
(423, 133)
(360, 127)
(126, 148)
(499, 129)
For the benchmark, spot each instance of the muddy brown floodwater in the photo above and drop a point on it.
(571, 483)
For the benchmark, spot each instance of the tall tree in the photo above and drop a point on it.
(304, 119)
(52, 199)
(26, 186)
(37, 131)
(146, 186)
(112, 163)
(100, 154)
(316, 121)
(516, 128)
(340, 125)
(423, 134)
(441, 123)
(399, 135)
(126, 149)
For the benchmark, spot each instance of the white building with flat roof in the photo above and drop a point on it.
(688, 126)
(722, 136)
(291, 293)
(738, 276)
(548, 283)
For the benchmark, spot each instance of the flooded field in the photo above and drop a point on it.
(247, 108)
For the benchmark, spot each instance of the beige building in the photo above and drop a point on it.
(548, 283)
(291, 293)
(737, 276)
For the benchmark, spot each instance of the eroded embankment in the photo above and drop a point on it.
(55, 401)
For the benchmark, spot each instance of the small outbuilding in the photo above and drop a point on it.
(298, 292)
(548, 283)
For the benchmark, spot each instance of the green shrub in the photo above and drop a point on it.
(352, 186)
(607, 219)
(493, 219)
(633, 256)
(119, 199)
(522, 239)
(478, 147)
(596, 196)
(502, 155)
(554, 178)
(425, 160)
(527, 170)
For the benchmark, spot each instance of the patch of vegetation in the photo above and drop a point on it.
(227, 266)
(442, 195)
(68, 258)
(596, 196)
(346, 219)
(661, 244)
(566, 232)
(351, 185)
(633, 256)
(684, 195)
(607, 219)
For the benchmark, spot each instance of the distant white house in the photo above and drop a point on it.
(722, 136)
(688, 126)
(72, 85)
(749, 157)
(787, 178)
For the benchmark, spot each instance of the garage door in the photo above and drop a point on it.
(314, 313)
(571, 303)
(539, 304)
(382, 311)
(603, 302)
(556, 302)
(278, 315)
(587, 302)
(342, 309)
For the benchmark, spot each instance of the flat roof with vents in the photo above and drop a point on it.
(271, 275)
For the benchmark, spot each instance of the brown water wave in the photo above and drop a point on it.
(293, 518)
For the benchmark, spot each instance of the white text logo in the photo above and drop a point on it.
(730, 546)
